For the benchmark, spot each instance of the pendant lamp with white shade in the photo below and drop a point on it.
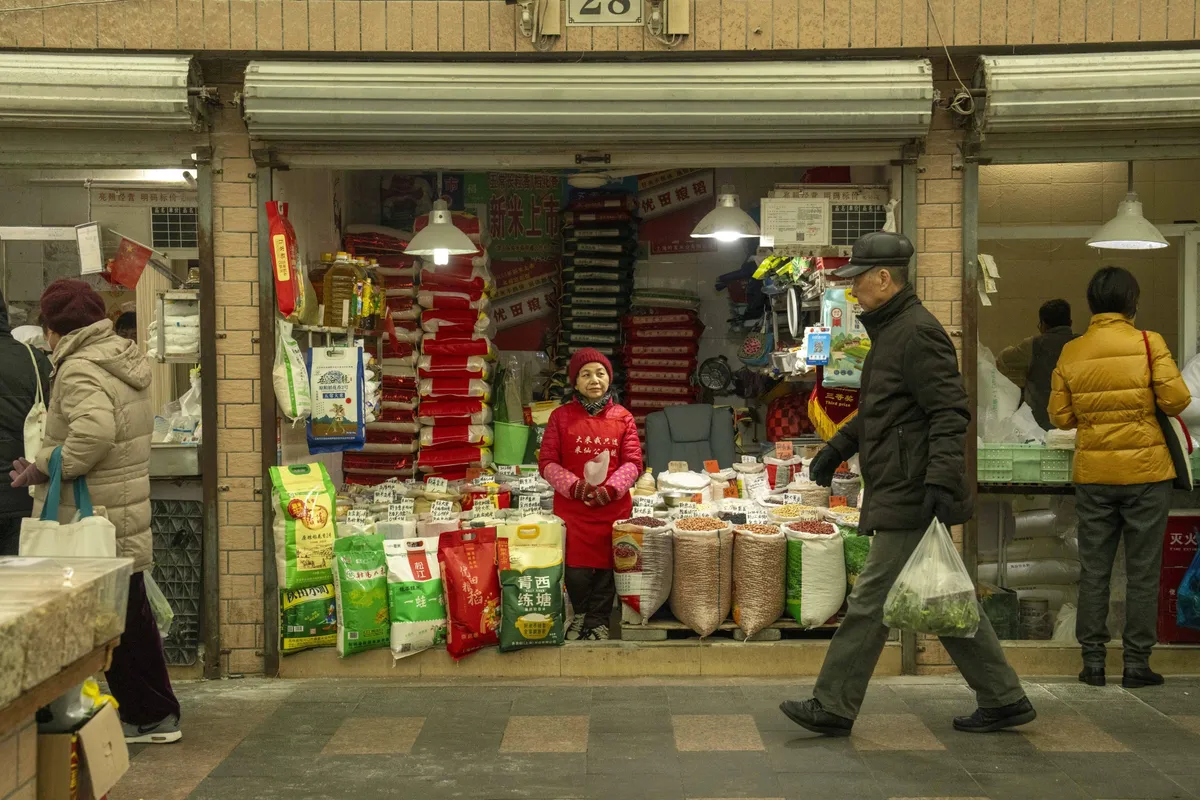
(727, 222)
(1128, 230)
(440, 239)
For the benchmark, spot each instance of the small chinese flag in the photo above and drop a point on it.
(127, 267)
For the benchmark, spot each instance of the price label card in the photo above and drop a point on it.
(358, 516)
(836, 501)
(437, 485)
(397, 513)
(749, 460)
(527, 485)
(384, 495)
(443, 510)
(506, 469)
(712, 466)
(686, 509)
(482, 480)
(793, 498)
(487, 502)
(529, 503)
(784, 450)
(643, 509)
(677, 466)
(756, 516)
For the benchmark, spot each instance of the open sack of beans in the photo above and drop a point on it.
(816, 572)
(759, 576)
(702, 587)
(643, 560)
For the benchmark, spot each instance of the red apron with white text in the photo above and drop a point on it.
(589, 530)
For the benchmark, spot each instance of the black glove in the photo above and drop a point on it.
(945, 506)
(824, 464)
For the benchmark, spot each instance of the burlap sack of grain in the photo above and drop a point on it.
(759, 579)
(702, 587)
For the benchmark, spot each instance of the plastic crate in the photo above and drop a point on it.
(1023, 463)
(178, 527)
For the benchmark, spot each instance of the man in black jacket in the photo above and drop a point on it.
(908, 434)
(18, 391)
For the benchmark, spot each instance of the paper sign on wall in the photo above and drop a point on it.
(796, 221)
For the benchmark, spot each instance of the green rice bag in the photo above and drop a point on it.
(308, 618)
(360, 582)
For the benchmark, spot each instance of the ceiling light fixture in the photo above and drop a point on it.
(727, 222)
(1128, 230)
(440, 238)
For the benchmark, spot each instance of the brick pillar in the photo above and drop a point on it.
(939, 261)
(239, 443)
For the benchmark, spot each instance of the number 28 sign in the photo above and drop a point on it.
(605, 12)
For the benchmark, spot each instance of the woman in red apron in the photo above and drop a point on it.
(589, 424)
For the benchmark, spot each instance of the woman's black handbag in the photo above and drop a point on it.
(1179, 442)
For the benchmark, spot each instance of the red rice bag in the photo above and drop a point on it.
(659, 320)
(471, 586)
(427, 298)
(688, 364)
(440, 435)
(653, 402)
(651, 334)
(434, 345)
(381, 439)
(671, 389)
(455, 455)
(665, 349)
(454, 322)
(283, 258)
(451, 407)
(658, 374)
(463, 366)
(376, 463)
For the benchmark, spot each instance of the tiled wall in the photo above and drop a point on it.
(18, 762)
(1033, 271)
(474, 26)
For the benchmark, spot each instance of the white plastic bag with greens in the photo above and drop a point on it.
(933, 593)
(289, 376)
(164, 615)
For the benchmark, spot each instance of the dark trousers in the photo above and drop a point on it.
(592, 593)
(138, 675)
(10, 535)
(1137, 513)
(859, 641)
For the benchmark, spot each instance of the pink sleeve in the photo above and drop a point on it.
(561, 478)
(631, 460)
(558, 476)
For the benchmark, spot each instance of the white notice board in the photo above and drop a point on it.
(796, 221)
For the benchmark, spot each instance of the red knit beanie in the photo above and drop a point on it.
(68, 305)
(588, 355)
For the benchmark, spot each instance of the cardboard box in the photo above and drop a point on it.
(83, 765)
(1168, 631)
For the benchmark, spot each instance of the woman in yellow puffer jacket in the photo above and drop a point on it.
(1107, 384)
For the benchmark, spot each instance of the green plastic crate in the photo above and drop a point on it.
(1023, 463)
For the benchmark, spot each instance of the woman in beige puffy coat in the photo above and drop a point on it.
(100, 414)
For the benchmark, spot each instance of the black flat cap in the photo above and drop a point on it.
(877, 249)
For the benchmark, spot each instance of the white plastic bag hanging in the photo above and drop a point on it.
(164, 615)
(596, 471)
(933, 593)
(290, 375)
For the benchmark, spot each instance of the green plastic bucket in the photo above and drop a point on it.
(511, 441)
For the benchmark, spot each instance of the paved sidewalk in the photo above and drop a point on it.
(659, 740)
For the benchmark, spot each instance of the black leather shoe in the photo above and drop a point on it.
(987, 720)
(1139, 677)
(1092, 676)
(809, 714)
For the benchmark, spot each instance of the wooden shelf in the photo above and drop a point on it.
(27, 704)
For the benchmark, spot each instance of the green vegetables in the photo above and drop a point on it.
(856, 549)
(948, 615)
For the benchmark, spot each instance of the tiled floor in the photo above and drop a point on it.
(660, 740)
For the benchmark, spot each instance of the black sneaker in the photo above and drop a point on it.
(1093, 676)
(810, 715)
(1140, 677)
(989, 720)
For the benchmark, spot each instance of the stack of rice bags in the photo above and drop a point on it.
(599, 246)
(660, 357)
(391, 438)
(454, 369)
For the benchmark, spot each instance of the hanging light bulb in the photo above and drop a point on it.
(1128, 230)
(727, 222)
(440, 239)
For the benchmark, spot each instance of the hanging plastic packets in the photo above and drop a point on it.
(849, 343)
(336, 386)
(289, 375)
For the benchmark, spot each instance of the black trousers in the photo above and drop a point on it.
(138, 675)
(592, 593)
(10, 535)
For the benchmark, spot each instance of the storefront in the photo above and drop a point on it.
(354, 149)
(1058, 142)
(106, 164)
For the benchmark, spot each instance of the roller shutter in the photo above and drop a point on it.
(104, 110)
(1089, 107)
(633, 114)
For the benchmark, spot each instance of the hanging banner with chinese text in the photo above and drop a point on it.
(670, 204)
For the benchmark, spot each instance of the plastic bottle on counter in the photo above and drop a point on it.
(645, 485)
